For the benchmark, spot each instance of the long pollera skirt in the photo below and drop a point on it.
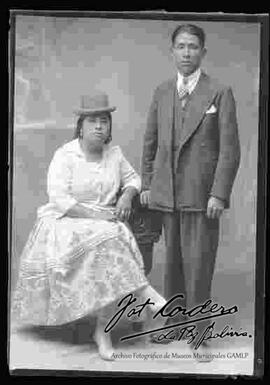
(72, 267)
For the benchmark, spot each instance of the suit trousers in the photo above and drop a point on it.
(191, 240)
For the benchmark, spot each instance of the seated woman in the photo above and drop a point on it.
(80, 256)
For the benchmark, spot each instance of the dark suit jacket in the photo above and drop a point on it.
(208, 152)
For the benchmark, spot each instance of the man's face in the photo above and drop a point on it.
(187, 53)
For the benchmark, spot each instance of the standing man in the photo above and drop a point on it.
(191, 155)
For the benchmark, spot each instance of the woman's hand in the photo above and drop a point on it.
(79, 211)
(105, 215)
(124, 207)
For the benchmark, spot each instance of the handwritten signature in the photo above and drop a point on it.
(207, 310)
(190, 333)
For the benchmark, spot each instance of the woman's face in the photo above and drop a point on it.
(96, 129)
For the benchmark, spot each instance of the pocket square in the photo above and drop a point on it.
(211, 110)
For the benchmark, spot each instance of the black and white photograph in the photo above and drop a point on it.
(137, 193)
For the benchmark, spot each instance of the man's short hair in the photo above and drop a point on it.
(191, 29)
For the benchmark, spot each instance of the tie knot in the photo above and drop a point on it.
(185, 81)
(183, 91)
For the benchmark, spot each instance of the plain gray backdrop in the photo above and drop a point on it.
(127, 59)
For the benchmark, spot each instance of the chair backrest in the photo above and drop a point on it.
(146, 224)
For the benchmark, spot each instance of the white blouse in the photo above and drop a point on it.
(72, 179)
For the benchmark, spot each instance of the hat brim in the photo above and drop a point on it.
(85, 111)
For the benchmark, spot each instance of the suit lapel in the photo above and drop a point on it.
(200, 101)
(169, 109)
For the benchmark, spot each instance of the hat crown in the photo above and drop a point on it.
(96, 101)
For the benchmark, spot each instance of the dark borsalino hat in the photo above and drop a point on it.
(94, 103)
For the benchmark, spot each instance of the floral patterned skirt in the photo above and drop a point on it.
(72, 267)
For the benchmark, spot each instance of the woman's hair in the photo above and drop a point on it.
(192, 30)
(77, 133)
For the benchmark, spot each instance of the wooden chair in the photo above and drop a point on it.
(146, 226)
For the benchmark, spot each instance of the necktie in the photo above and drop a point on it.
(183, 90)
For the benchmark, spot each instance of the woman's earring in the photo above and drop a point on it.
(80, 134)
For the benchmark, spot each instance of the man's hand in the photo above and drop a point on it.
(145, 198)
(124, 207)
(215, 207)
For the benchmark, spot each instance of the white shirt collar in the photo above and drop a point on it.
(192, 80)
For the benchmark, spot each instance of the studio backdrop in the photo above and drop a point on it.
(59, 58)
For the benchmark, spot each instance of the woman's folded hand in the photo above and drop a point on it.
(80, 211)
(123, 207)
(105, 215)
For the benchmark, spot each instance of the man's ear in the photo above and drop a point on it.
(172, 53)
(171, 49)
(204, 52)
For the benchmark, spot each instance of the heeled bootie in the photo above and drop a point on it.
(104, 343)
